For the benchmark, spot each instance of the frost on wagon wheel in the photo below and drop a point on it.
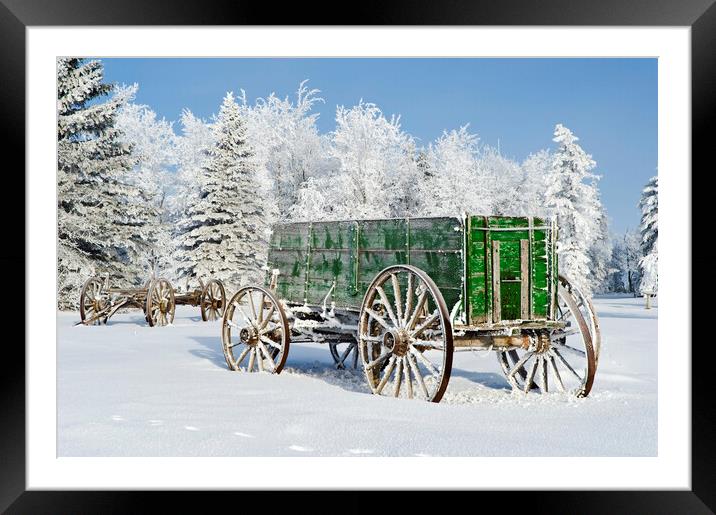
(255, 334)
(93, 300)
(212, 301)
(160, 303)
(405, 335)
(561, 359)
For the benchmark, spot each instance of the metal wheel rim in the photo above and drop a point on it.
(257, 310)
(92, 299)
(160, 304)
(417, 318)
(568, 364)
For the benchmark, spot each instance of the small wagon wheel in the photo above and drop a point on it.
(255, 334)
(212, 300)
(406, 347)
(93, 300)
(160, 303)
(563, 357)
(345, 354)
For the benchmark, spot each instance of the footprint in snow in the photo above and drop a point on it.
(191, 428)
(245, 435)
(299, 448)
(117, 418)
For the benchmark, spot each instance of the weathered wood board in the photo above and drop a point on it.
(336, 261)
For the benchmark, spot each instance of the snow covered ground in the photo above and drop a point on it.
(126, 389)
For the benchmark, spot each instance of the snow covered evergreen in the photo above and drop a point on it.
(288, 146)
(455, 182)
(222, 234)
(649, 205)
(103, 220)
(153, 145)
(574, 205)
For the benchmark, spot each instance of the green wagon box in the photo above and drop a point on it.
(398, 296)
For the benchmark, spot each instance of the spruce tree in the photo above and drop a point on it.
(573, 205)
(223, 233)
(649, 205)
(102, 220)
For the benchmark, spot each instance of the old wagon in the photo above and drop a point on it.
(157, 298)
(398, 296)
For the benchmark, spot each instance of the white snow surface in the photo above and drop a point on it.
(126, 389)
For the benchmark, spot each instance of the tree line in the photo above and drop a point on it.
(136, 196)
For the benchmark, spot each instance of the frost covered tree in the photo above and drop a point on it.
(625, 274)
(503, 179)
(103, 221)
(191, 153)
(154, 154)
(649, 205)
(376, 170)
(572, 203)
(288, 146)
(223, 232)
(532, 188)
(456, 183)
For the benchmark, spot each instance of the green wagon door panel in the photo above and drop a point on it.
(520, 289)
(288, 253)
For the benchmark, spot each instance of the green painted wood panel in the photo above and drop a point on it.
(479, 288)
(349, 254)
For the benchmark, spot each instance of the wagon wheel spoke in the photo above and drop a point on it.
(557, 375)
(564, 346)
(408, 299)
(386, 375)
(425, 324)
(398, 300)
(406, 375)
(530, 376)
(418, 308)
(567, 365)
(377, 318)
(418, 375)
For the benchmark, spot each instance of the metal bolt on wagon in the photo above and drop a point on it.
(398, 296)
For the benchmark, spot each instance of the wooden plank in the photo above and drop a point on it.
(525, 279)
(496, 294)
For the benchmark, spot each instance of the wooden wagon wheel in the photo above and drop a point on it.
(160, 303)
(255, 334)
(213, 300)
(564, 357)
(409, 342)
(345, 354)
(93, 300)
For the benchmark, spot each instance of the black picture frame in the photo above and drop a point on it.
(17, 15)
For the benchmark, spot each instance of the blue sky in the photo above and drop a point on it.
(610, 104)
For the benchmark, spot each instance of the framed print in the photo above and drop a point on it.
(263, 245)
